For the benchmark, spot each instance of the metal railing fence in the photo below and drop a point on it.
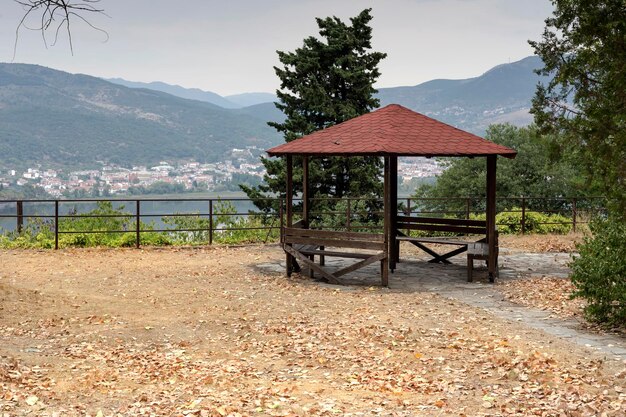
(577, 210)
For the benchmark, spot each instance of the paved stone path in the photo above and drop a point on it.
(415, 274)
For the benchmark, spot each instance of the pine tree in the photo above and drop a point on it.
(324, 82)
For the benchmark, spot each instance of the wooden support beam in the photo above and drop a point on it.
(491, 217)
(305, 192)
(387, 222)
(394, 248)
(306, 261)
(360, 264)
(289, 260)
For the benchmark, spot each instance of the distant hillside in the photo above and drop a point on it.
(52, 117)
(234, 101)
(178, 91)
(251, 99)
(502, 94)
(56, 118)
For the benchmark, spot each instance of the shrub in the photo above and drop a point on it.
(510, 222)
(599, 272)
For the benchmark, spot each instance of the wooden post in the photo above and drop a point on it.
(384, 265)
(289, 207)
(305, 202)
(408, 213)
(491, 216)
(305, 192)
(393, 215)
(20, 215)
(348, 215)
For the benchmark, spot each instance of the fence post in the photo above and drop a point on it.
(20, 215)
(210, 221)
(56, 224)
(408, 213)
(348, 215)
(523, 215)
(574, 214)
(138, 224)
(468, 207)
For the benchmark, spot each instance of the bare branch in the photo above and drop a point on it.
(53, 11)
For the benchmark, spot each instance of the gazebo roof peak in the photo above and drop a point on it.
(392, 130)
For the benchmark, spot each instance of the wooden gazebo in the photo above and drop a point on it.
(389, 132)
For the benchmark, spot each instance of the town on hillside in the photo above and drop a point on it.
(242, 165)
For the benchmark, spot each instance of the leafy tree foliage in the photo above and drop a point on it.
(599, 273)
(532, 173)
(324, 82)
(584, 49)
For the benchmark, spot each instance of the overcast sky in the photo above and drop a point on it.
(229, 46)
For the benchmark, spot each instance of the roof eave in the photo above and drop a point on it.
(508, 155)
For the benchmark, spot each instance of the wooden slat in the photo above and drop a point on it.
(468, 230)
(305, 260)
(359, 265)
(332, 234)
(336, 253)
(356, 244)
(303, 248)
(433, 240)
(436, 220)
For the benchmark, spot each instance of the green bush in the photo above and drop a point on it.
(228, 227)
(599, 272)
(510, 222)
(229, 223)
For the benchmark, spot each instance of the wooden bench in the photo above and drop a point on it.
(304, 244)
(456, 227)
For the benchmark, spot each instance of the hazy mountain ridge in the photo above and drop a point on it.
(234, 101)
(59, 118)
(502, 94)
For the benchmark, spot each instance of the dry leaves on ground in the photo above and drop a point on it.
(200, 333)
(541, 243)
(545, 293)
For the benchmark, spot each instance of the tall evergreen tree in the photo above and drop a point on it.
(583, 48)
(326, 81)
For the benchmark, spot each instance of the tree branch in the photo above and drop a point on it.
(52, 11)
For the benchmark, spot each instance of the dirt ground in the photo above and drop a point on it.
(169, 332)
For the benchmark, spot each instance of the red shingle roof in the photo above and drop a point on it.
(392, 130)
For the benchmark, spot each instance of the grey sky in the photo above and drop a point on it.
(229, 46)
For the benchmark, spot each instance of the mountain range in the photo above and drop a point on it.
(55, 118)
(500, 95)
(235, 101)
(60, 119)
